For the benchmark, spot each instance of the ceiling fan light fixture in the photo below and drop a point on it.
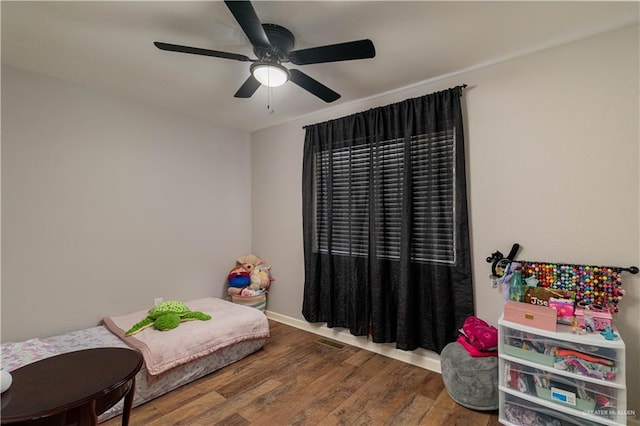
(270, 74)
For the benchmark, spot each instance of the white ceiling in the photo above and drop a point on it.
(109, 46)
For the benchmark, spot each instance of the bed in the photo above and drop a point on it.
(234, 332)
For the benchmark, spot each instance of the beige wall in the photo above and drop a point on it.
(107, 205)
(553, 159)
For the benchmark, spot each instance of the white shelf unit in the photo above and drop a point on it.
(604, 402)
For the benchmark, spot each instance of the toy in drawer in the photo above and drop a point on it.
(519, 411)
(586, 397)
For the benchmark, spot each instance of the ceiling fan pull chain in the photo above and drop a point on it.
(269, 100)
(269, 94)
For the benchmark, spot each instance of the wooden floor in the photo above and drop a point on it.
(300, 379)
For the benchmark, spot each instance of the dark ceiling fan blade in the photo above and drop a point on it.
(249, 22)
(198, 51)
(360, 49)
(248, 88)
(313, 86)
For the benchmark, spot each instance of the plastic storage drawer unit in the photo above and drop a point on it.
(560, 378)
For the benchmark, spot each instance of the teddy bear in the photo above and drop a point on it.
(248, 262)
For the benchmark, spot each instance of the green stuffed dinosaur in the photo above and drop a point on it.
(166, 316)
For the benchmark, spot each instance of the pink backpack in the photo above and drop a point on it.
(479, 334)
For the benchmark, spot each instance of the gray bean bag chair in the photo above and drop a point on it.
(471, 382)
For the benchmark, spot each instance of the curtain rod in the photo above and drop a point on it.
(461, 86)
(631, 269)
(498, 257)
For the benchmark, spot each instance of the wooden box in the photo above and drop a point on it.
(530, 315)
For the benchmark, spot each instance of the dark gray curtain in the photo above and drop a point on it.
(414, 301)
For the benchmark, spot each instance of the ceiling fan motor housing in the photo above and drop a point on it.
(282, 42)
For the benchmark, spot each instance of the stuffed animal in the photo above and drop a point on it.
(248, 262)
(239, 277)
(233, 291)
(167, 316)
(261, 276)
(246, 292)
(250, 277)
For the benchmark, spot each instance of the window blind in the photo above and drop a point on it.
(360, 186)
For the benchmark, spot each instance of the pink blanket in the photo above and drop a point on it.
(163, 350)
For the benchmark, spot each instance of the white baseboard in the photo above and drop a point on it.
(419, 357)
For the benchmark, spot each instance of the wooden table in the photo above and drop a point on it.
(72, 388)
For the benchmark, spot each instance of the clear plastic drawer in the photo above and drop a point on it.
(518, 411)
(587, 360)
(587, 397)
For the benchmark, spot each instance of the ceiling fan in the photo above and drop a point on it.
(273, 44)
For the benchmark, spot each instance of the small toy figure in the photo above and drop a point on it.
(575, 326)
(609, 334)
(589, 326)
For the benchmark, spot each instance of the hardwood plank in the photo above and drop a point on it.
(142, 415)
(314, 360)
(313, 402)
(251, 398)
(431, 386)
(382, 397)
(360, 357)
(317, 399)
(177, 398)
(445, 411)
(300, 361)
(414, 412)
(297, 380)
(192, 409)
(233, 420)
